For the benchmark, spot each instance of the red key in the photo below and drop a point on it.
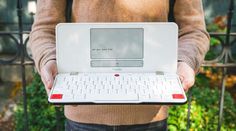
(56, 96)
(178, 96)
(116, 75)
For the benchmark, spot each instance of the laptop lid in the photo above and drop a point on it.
(116, 47)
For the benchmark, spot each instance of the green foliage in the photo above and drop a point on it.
(204, 110)
(215, 27)
(215, 43)
(41, 115)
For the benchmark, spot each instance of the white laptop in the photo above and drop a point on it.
(117, 63)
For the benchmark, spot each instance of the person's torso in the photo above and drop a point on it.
(120, 10)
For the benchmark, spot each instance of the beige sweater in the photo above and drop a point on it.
(193, 44)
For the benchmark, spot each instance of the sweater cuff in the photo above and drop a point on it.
(189, 53)
(188, 61)
(50, 56)
(42, 57)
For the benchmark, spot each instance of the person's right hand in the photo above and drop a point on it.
(48, 73)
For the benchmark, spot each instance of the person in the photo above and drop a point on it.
(193, 44)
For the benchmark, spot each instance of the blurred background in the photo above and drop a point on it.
(23, 104)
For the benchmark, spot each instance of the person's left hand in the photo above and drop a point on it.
(186, 75)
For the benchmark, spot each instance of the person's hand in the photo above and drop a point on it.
(48, 73)
(186, 75)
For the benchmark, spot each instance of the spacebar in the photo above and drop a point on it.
(113, 97)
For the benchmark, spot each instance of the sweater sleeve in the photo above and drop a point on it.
(193, 37)
(42, 37)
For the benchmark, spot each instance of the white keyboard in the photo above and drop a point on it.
(116, 88)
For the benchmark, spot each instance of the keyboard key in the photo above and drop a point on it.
(68, 96)
(144, 97)
(79, 96)
(112, 97)
(155, 97)
(116, 75)
(178, 96)
(56, 96)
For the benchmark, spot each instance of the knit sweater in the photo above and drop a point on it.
(193, 44)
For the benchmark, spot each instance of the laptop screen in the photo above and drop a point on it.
(116, 47)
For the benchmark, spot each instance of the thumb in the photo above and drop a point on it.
(48, 78)
(185, 86)
(187, 83)
(181, 78)
(184, 82)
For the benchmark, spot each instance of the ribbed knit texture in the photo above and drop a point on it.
(116, 114)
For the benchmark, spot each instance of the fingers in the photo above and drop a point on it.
(181, 78)
(47, 79)
(48, 72)
(54, 69)
(186, 75)
(187, 83)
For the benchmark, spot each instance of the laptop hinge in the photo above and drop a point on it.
(74, 73)
(159, 73)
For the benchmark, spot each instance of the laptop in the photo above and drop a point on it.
(117, 63)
